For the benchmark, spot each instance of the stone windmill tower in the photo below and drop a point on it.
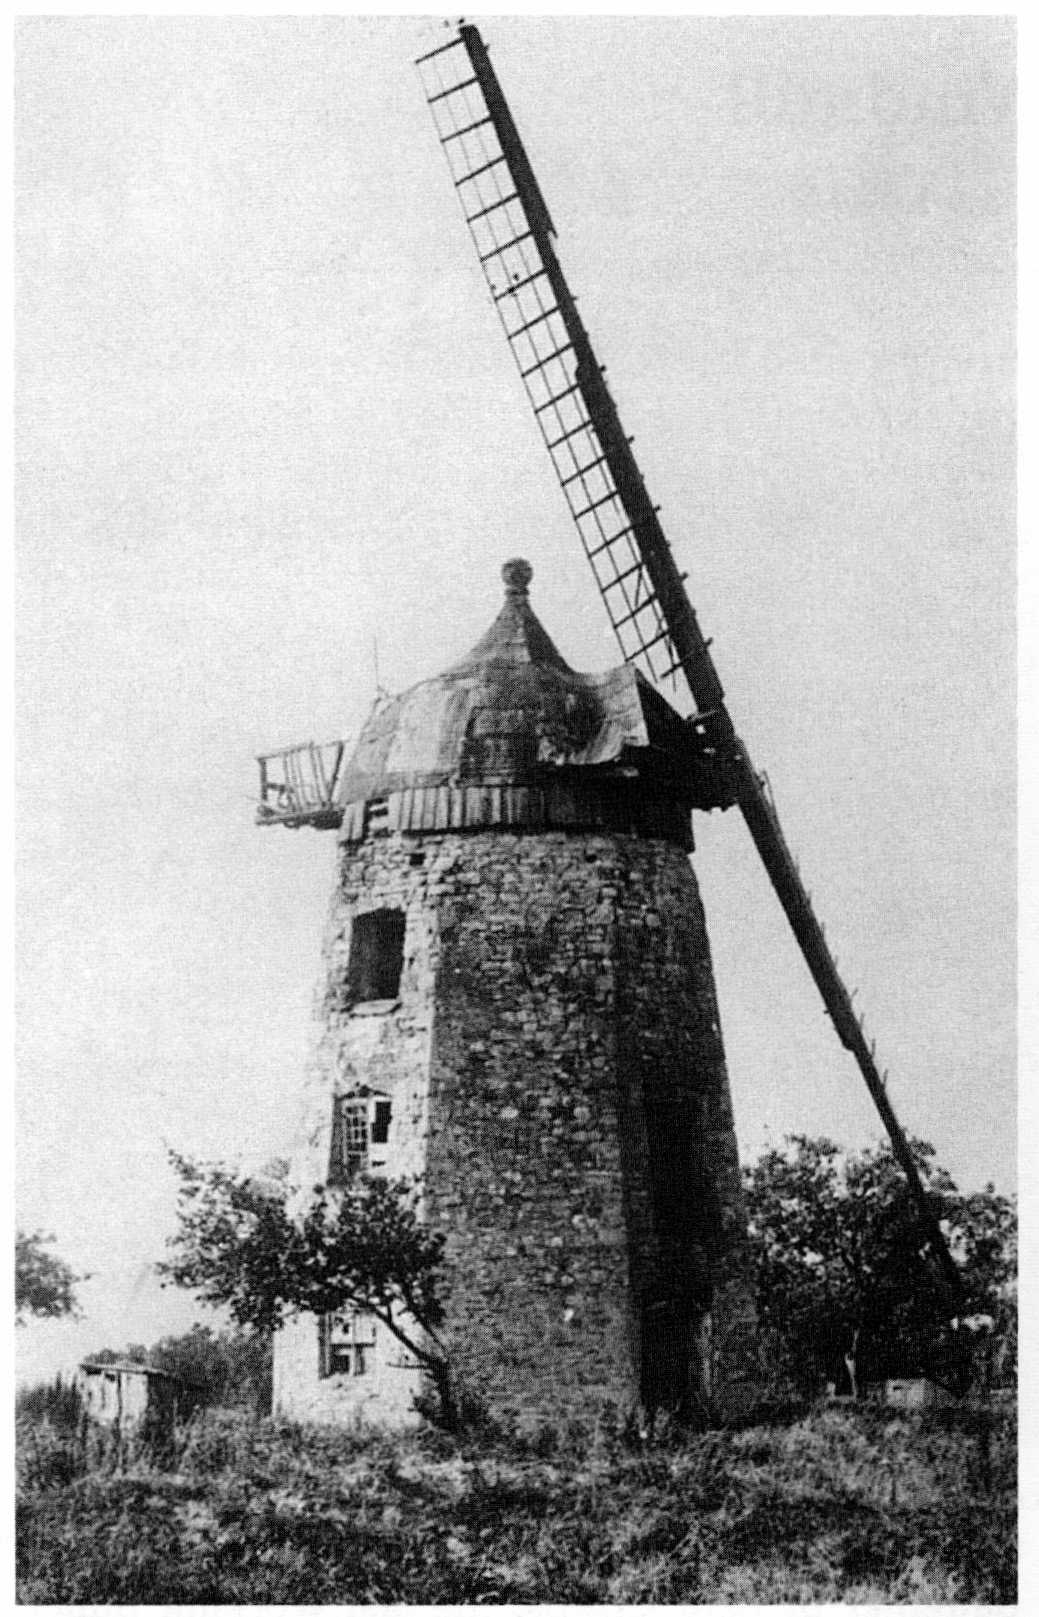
(519, 1005)
(519, 1012)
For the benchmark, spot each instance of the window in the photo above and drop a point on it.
(353, 1144)
(376, 956)
(360, 1136)
(347, 1344)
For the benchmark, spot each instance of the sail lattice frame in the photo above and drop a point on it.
(519, 280)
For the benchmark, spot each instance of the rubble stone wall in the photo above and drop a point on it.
(581, 1156)
(384, 1047)
(524, 1169)
(558, 1083)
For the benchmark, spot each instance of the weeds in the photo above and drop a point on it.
(259, 1512)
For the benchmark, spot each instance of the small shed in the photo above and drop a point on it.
(916, 1392)
(131, 1400)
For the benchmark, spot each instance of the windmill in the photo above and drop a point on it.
(428, 808)
(617, 523)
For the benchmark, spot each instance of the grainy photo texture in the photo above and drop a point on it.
(516, 836)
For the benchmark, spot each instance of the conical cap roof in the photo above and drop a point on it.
(509, 712)
(516, 637)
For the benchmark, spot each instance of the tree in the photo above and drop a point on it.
(219, 1367)
(43, 1284)
(234, 1243)
(843, 1279)
(262, 1251)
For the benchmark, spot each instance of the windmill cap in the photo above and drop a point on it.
(512, 736)
(508, 711)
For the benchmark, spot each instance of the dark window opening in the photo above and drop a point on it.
(376, 955)
(339, 1359)
(381, 1122)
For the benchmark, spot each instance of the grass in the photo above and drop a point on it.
(853, 1506)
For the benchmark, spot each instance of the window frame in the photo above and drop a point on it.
(351, 1336)
(350, 1155)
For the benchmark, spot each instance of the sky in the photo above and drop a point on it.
(270, 442)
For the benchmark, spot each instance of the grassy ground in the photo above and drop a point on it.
(852, 1506)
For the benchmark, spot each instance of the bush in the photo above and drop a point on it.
(56, 1401)
(47, 1456)
(222, 1369)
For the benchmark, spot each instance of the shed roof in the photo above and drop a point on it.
(125, 1367)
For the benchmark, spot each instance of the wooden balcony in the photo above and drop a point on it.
(298, 786)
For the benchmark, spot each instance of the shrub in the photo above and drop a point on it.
(47, 1456)
(56, 1401)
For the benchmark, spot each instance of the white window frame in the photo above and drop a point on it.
(365, 1111)
(350, 1338)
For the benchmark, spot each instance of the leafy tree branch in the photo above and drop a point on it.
(44, 1286)
(262, 1251)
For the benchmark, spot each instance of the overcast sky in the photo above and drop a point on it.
(267, 418)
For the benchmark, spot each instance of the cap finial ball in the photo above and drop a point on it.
(517, 575)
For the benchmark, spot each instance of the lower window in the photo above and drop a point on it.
(347, 1344)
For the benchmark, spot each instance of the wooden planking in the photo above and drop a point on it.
(428, 809)
(353, 822)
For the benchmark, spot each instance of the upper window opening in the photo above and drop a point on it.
(376, 955)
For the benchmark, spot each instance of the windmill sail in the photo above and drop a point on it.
(644, 593)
